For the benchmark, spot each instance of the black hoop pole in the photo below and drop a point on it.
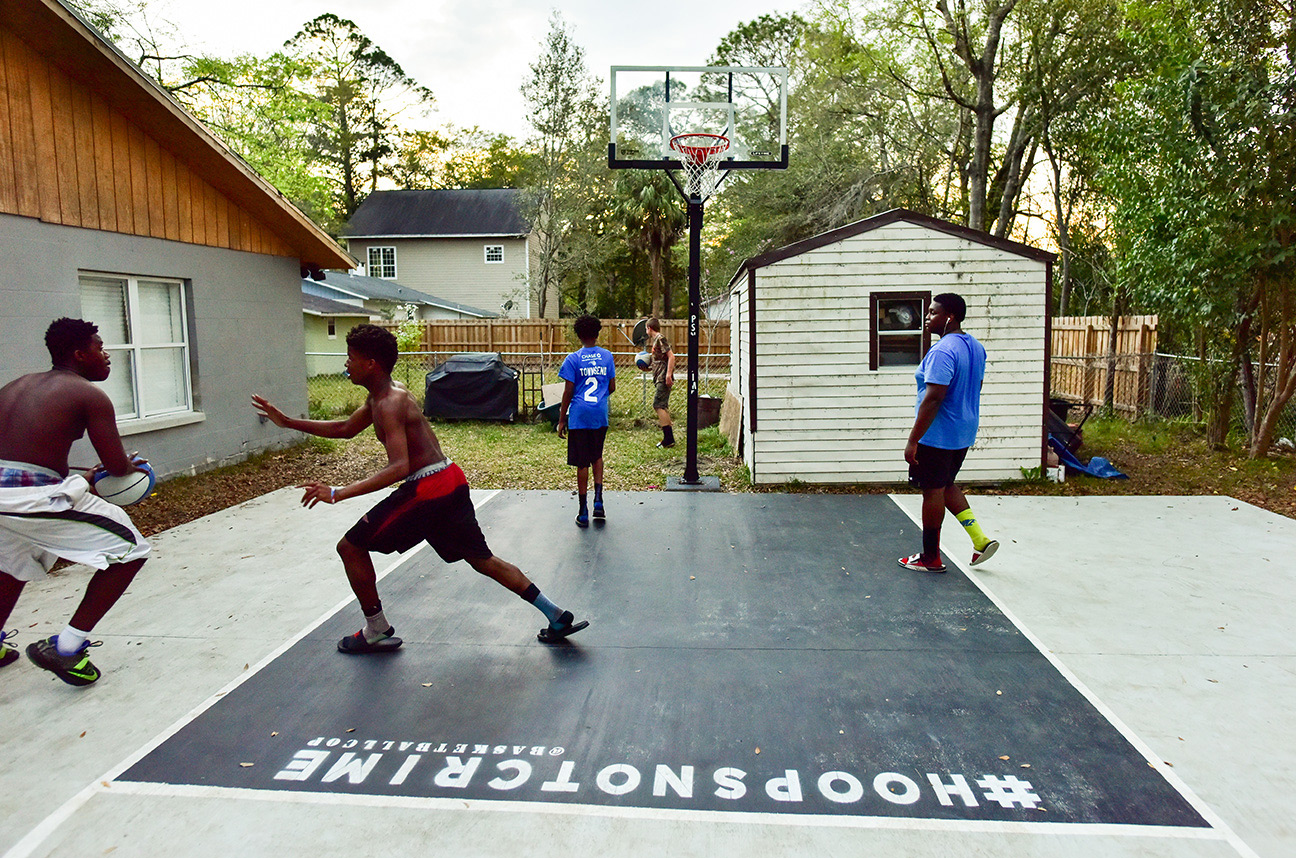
(694, 325)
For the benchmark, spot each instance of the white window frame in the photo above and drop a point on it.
(136, 349)
(379, 269)
(499, 249)
(332, 328)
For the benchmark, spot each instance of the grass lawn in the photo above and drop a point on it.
(1161, 458)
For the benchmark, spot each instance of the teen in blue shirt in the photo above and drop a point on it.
(590, 377)
(946, 416)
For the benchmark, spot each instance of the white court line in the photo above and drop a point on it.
(34, 838)
(137, 788)
(1154, 759)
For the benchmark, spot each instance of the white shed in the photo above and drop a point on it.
(827, 333)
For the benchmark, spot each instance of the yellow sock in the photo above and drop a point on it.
(969, 522)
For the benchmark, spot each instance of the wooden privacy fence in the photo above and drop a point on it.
(1081, 358)
(551, 339)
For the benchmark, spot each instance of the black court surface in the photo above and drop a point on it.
(746, 653)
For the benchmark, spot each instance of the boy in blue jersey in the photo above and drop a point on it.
(590, 378)
(945, 425)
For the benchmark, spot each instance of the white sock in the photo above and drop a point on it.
(376, 627)
(70, 640)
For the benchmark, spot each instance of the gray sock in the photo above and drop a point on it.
(376, 627)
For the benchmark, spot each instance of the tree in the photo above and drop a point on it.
(1200, 162)
(654, 219)
(365, 91)
(564, 112)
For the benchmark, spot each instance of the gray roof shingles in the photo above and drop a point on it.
(493, 211)
(390, 290)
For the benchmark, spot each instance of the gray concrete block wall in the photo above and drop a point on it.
(245, 331)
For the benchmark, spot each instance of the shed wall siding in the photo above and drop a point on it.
(455, 269)
(823, 416)
(68, 157)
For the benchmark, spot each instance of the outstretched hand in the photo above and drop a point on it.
(316, 493)
(264, 408)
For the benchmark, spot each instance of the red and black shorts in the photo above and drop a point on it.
(585, 446)
(936, 468)
(436, 508)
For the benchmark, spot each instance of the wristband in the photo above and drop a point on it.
(332, 494)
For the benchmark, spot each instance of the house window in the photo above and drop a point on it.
(897, 335)
(332, 329)
(494, 253)
(382, 262)
(143, 324)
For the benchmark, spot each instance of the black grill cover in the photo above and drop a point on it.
(476, 386)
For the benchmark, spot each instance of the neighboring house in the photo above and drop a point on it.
(826, 335)
(385, 300)
(325, 324)
(469, 246)
(118, 206)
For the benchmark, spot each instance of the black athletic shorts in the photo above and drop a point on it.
(585, 446)
(936, 467)
(437, 508)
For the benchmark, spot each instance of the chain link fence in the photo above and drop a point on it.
(331, 395)
(1144, 385)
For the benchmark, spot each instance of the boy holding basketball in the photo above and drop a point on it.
(431, 503)
(590, 378)
(45, 513)
(663, 373)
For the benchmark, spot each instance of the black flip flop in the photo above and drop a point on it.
(357, 645)
(565, 628)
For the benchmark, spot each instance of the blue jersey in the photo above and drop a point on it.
(591, 370)
(957, 361)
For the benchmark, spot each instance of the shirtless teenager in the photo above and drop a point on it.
(432, 502)
(45, 513)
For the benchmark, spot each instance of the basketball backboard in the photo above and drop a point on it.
(651, 104)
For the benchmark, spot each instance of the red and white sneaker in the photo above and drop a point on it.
(979, 557)
(916, 563)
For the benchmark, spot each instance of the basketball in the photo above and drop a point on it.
(127, 490)
(643, 360)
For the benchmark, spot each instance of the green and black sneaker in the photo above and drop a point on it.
(8, 652)
(74, 669)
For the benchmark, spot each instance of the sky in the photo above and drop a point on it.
(475, 54)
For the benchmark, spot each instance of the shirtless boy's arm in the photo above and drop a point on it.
(389, 416)
(348, 428)
(101, 429)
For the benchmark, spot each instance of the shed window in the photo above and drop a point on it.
(897, 336)
(145, 330)
(494, 253)
(382, 262)
(332, 329)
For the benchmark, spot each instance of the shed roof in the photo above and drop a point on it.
(375, 288)
(317, 306)
(58, 33)
(439, 214)
(859, 227)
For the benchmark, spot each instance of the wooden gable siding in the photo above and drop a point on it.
(823, 416)
(68, 157)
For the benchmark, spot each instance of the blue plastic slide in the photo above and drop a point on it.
(1097, 467)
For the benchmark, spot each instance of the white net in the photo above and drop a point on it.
(700, 155)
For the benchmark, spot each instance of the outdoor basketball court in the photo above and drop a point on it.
(759, 677)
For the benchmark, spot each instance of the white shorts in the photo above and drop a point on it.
(39, 524)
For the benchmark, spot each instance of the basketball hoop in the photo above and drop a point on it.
(700, 158)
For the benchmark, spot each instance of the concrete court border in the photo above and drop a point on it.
(1211, 704)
